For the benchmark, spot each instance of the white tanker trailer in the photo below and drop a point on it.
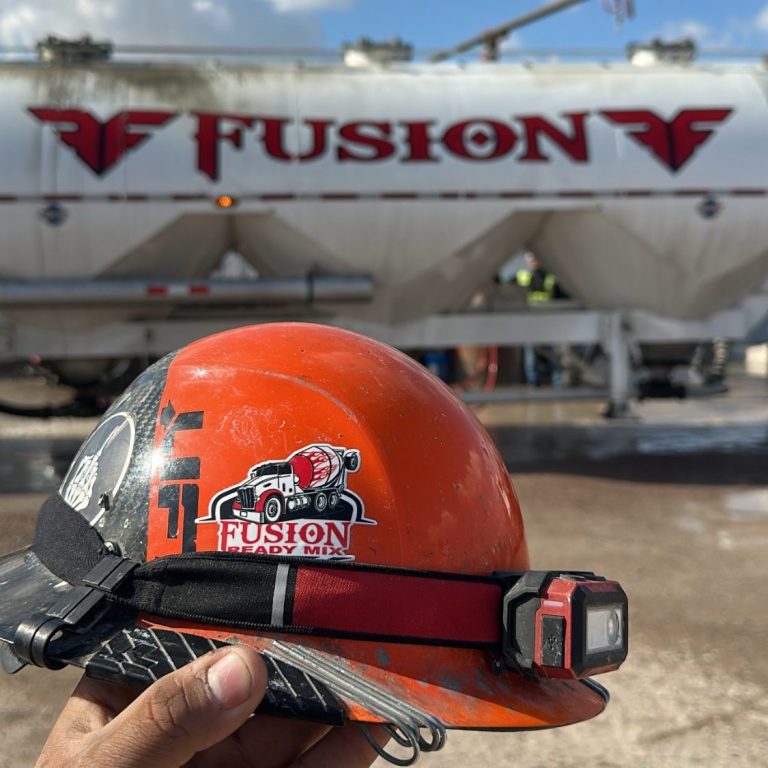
(122, 184)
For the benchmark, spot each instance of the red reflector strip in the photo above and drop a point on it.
(198, 289)
(395, 605)
(277, 196)
(157, 290)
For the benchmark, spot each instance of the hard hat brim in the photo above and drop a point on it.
(26, 587)
(456, 685)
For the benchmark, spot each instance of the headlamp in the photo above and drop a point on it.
(565, 625)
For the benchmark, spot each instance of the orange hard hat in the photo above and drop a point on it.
(310, 492)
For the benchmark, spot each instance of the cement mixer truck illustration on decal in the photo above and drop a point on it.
(311, 481)
(299, 506)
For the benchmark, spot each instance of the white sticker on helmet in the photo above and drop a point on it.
(100, 466)
(299, 506)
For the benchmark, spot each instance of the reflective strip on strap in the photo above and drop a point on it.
(278, 597)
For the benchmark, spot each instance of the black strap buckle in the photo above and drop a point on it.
(74, 611)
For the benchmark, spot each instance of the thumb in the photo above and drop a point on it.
(186, 712)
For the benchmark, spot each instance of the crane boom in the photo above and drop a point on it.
(491, 37)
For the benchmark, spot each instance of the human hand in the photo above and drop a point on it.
(198, 717)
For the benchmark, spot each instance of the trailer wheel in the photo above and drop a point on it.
(321, 502)
(352, 461)
(333, 499)
(273, 509)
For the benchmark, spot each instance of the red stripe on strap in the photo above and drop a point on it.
(397, 605)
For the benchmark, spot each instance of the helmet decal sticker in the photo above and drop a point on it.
(298, 506)
(178, 492)
(99, 467)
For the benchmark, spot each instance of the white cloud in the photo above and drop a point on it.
(731, 33)
(698, 30)
(16, 19)
(512, 42)
(761, 20)
(271, 23)
(294, 6)
(96, 9)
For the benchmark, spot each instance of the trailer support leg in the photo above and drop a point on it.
(617, 333)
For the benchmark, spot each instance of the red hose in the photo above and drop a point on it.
(486, 372)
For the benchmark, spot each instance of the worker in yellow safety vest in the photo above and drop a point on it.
(541, 285)
(540, 361)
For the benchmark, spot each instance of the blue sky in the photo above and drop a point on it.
(428, 24)
(727, 23)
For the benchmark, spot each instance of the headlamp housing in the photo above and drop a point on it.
(564, 625)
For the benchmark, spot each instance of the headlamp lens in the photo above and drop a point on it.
(604, 628)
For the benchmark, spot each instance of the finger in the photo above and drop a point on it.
(263, 742)
(90, 707)
(278, 741)
(345, 746)
(108, 698)
(185, 712)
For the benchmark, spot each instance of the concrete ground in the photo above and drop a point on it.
(675, 506)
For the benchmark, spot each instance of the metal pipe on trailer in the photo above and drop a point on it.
(309, 289)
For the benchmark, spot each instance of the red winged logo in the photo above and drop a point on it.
(671, 142)
(101, 145)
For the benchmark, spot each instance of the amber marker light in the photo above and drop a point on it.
(225, 201)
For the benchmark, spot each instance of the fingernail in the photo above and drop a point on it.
(230, 681)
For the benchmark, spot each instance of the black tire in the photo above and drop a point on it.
(333, 499)
(352, 461)
(321, 502)
(273, 509)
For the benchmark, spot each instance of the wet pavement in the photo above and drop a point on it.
(674, 505)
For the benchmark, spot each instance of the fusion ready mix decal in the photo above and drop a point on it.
(297, 505)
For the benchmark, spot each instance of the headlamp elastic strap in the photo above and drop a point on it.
(313, 597)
